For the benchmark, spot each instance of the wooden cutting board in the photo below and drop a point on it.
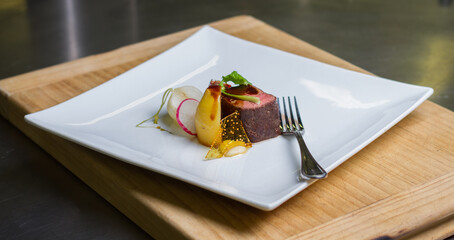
(402, 184)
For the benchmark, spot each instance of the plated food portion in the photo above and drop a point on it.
(228, 117)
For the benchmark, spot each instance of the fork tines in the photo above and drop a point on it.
(289, 124)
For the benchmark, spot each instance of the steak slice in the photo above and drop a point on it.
(260, 121)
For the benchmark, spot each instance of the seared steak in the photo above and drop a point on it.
(260, 121)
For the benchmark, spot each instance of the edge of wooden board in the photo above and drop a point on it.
(374, 221)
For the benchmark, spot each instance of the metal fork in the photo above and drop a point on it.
(309, 167)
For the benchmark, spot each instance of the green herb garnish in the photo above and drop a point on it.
(240, 80)
(156, 116)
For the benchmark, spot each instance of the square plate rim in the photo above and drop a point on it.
(267, 206)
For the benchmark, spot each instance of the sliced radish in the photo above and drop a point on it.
(178, 95)
(186, 115)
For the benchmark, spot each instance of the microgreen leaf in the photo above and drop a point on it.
(236, 78)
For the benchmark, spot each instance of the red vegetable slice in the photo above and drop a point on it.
(186, 115)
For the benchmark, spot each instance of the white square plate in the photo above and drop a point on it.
(342, 112)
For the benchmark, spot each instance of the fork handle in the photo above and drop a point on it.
(309, 167)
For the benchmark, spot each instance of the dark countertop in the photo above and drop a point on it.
(410, 42)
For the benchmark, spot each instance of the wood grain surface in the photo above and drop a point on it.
(401, 185)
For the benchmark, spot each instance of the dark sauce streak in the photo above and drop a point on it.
(243, 90)
(215, 91)
(214, 110)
